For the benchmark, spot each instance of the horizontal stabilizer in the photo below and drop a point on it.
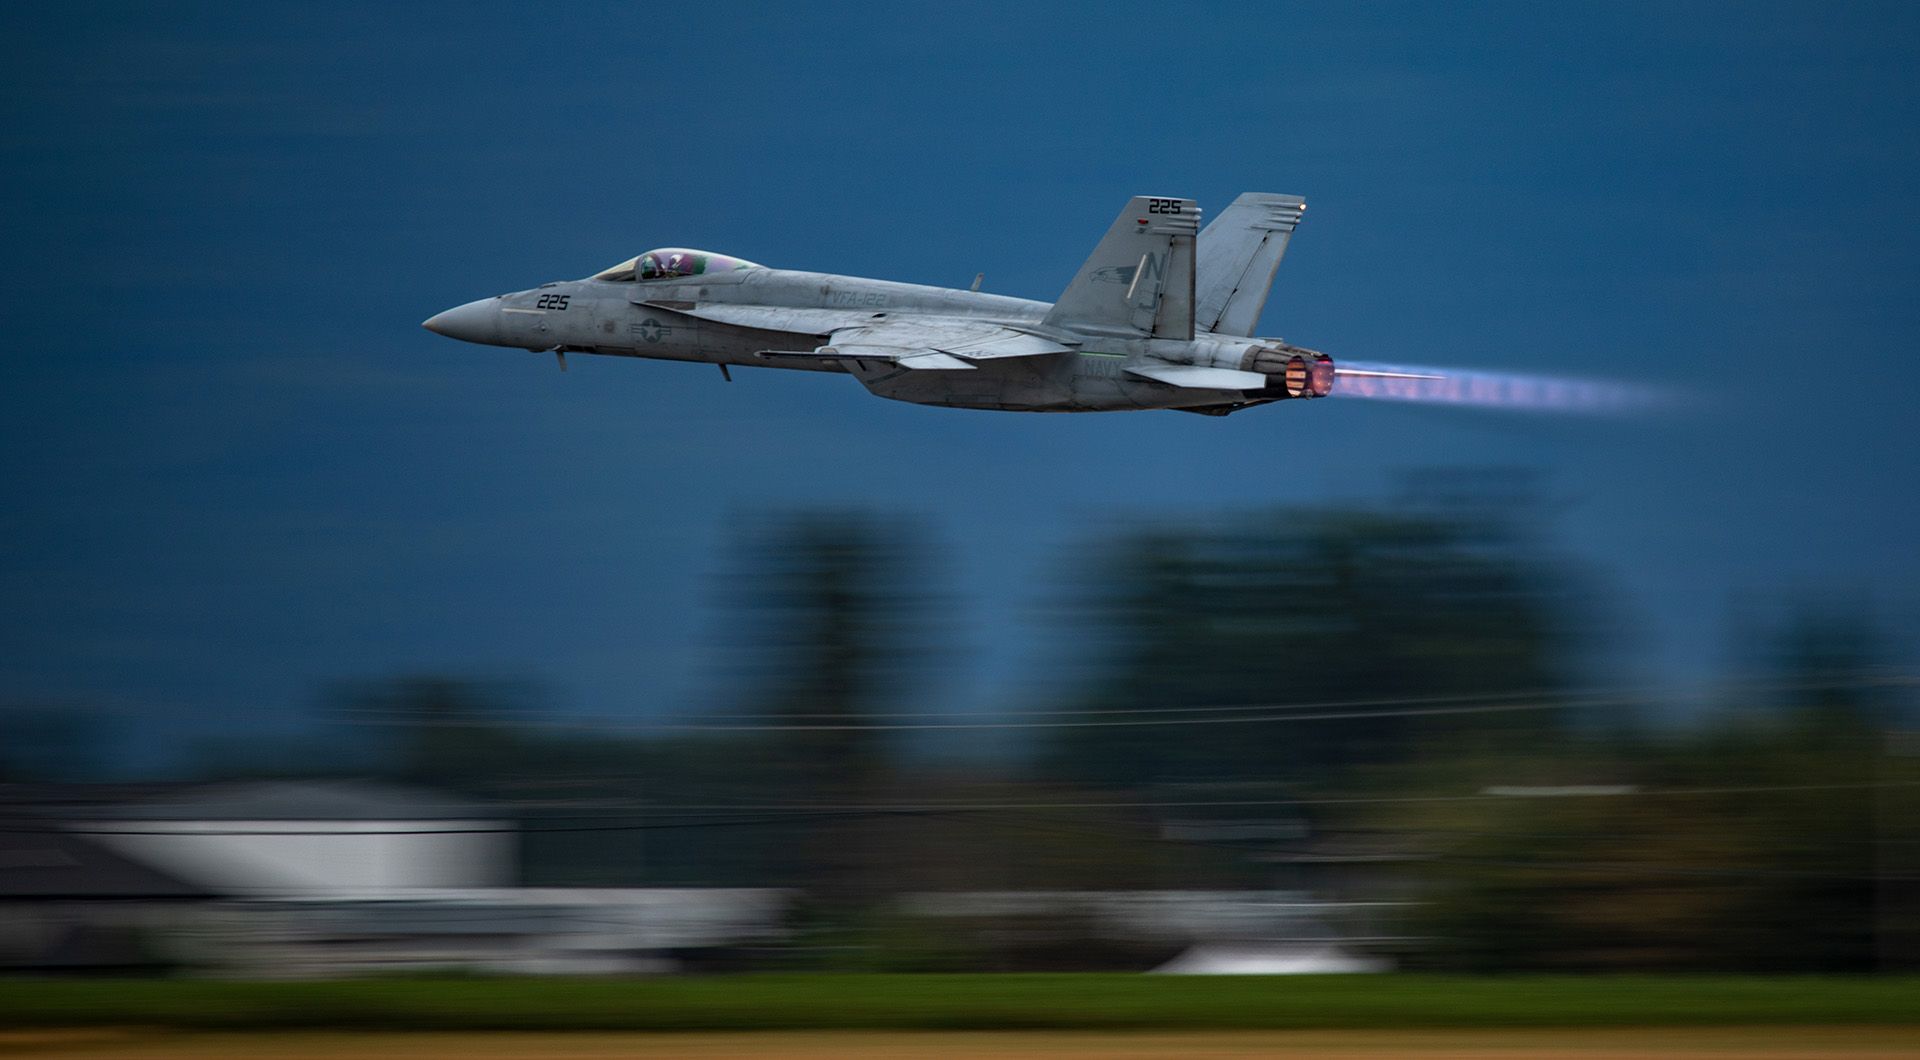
(1196, 377)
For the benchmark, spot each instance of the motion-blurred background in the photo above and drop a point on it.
(329, 646)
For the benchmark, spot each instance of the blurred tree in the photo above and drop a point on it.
(454, 733)
(1755, 841)
(1329, 606)
(47, 742)
(580, 796)
(828, 633)
(1829, 674)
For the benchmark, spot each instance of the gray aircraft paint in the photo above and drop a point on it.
(1123, 335)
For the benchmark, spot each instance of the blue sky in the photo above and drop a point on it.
(235, 467)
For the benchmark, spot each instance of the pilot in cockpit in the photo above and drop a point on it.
(671, 263)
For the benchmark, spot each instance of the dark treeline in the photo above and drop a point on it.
(1385, 705)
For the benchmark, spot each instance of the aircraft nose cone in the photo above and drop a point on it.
(474, 322)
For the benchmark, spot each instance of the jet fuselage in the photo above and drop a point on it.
(1124, 335)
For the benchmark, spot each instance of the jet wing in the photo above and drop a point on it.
(975, 340)
(797, 319)
(937, 343)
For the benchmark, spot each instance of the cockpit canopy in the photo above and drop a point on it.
(670, 263)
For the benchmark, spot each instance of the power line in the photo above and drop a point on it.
(1336, 704)
(725, 726)
(735, 721)
(1603, 695)
(1660, 869)
(1103, 723)
(1110, 717)
(778, 813)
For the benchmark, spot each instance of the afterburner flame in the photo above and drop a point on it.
(1483, 389)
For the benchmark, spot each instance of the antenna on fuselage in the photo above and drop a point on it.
(977, 277)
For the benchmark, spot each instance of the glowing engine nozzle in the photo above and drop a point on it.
(1301, 372)
(1320, 376)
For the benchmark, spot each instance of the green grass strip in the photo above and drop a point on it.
(952, 1002)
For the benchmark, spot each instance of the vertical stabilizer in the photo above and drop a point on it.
(1239, 253)
(1140, 279)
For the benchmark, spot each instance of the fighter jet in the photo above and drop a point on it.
(1161, 316)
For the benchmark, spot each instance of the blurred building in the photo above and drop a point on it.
(310, 839)
(321, 878)
(69, 903)
(506, 931)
